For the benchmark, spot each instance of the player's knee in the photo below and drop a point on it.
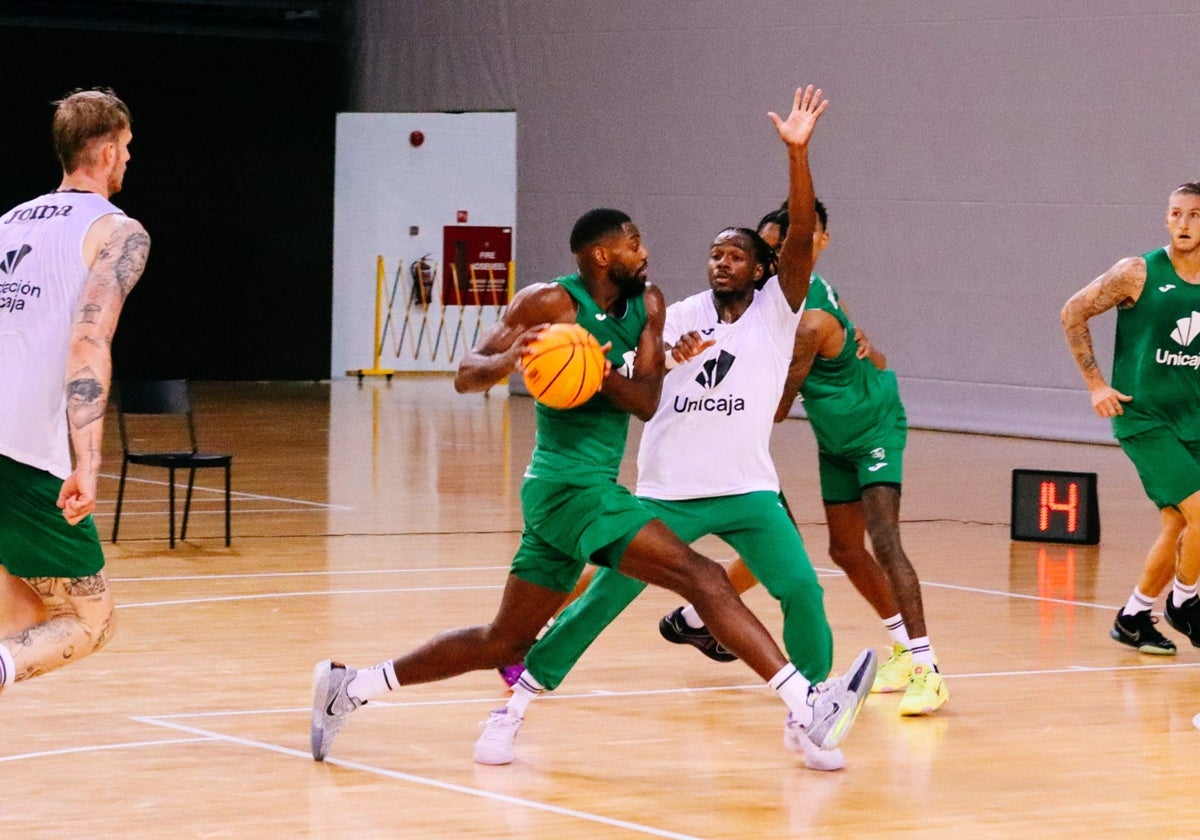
(501, 648)
(885, 542)
(709, 576)
(843, 556)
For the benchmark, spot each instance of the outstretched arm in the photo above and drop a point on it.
(796, 256)
(1120, 286)
(114, 271)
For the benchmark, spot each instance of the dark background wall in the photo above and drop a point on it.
(231, 170)
(981, 161)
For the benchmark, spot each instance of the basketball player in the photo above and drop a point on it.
(704, 465)
(1154, 406)
(575, 512)
(853, 405)
(69, 259)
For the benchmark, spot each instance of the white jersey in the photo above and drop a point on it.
(711, 433)
(42, 273)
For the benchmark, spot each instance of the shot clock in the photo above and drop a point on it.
(1053, 506)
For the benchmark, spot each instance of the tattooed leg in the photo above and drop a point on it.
(79, 619)
(20, 606)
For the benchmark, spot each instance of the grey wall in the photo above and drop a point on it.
(981, 161)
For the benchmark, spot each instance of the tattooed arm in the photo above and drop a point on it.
(1120, 286)
(117, 247)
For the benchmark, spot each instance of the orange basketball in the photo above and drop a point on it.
(564, 366)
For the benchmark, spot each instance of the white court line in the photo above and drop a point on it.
(195, 511)
(424, 780)
(653, 692)
(263, 596)
(979, 591)
(324, 573)
(269, 595)
(221, 490)
(404, 589)
(100, 747)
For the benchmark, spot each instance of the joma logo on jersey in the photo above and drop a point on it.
(13, 258)
(42, 211)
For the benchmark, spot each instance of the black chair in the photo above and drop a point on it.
(164, 407)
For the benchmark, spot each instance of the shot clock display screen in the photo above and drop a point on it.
(1051, 506)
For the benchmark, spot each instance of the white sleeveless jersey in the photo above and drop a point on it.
(41, 275)
(711, 433)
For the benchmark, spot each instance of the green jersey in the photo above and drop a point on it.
(847, 399)
(585, 444)
(1156, 359)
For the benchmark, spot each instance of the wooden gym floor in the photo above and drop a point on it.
(367, 519)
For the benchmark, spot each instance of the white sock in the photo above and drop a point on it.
(373, 682)
(1138, 602)
(896, 630)
(792, 686)
(922, 651)
(1182, 591)
(692, 618)
(524, 691)
(8, 668)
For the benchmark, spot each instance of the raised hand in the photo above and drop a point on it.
(688, 346)
(806, 110)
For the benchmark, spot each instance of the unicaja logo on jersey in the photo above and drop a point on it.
(1185, 332)
(13, 258)
(710, 376)
(714, 370)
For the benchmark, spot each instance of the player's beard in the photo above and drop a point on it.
(631, 283)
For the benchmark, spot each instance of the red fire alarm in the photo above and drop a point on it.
(462, 217)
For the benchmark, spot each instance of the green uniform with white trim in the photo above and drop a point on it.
(855, 412)
(704, 467)
(1156, 360)
(574, 509)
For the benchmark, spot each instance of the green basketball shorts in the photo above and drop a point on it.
(568, 525)
(35, 540)
(1168, 467)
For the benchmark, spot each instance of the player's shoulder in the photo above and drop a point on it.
(1129, 268)
(117, 224)
(541, 303)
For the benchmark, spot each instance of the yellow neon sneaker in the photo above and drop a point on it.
(926, 692)
(894, 673)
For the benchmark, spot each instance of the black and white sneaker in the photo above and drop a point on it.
(1138, 631)
(675, 630)
(1185, 618)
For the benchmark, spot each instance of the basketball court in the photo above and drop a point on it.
(368, 518)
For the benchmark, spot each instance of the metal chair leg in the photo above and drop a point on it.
(187, 503)
(120, 498)
(228, 505)
(171, 503)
